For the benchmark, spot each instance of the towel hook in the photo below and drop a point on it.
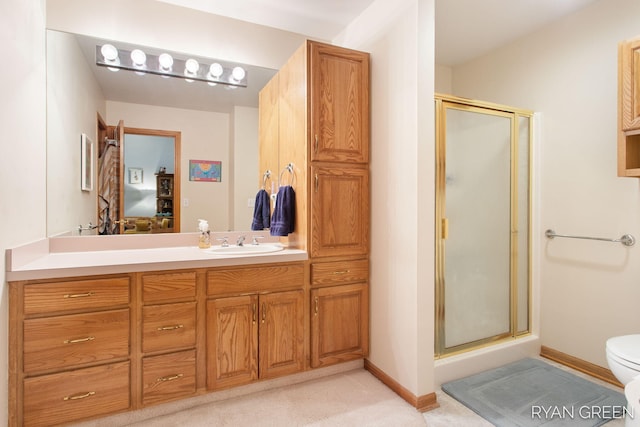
(289, 168)
(265, 176)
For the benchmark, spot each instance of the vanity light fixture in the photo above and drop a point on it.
(166, 65)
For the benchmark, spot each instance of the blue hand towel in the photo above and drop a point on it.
(261, 211)
(282, 220)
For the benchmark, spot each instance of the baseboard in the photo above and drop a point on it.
(421, 403)
(588, 368)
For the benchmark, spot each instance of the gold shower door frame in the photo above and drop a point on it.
(517, 231)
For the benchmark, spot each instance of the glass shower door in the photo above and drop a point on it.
(477, 249)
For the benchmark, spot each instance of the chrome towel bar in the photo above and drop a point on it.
(627, 239)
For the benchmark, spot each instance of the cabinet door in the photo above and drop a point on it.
(339, 324)
(339, 104)
(339, 211)
(629, 81)
(232, 341)
(281, 333)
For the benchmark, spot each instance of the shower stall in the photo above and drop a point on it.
(483, 178)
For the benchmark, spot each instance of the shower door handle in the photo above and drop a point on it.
(445, 228)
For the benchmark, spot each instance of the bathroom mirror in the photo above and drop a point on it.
(217, 123)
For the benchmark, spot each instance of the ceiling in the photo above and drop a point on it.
(464, 30)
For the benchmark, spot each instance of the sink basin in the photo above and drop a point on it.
(244, 250)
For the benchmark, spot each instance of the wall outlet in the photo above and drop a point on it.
(251, 202)
(185, 202)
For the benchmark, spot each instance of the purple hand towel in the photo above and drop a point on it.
(282, 220)
(261, 211)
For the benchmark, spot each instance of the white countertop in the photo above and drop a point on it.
(37, 261)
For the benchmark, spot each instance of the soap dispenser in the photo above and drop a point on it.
(204, 241)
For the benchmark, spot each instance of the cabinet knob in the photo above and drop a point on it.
(254, 314)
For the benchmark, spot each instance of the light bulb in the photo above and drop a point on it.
(109, 52)
(191, 66)
(238, 73)
(138, 57)
(166, 62)
(216, 70)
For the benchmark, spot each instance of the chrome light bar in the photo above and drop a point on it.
(213, 72)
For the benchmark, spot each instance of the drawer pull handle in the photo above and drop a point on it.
(79, 340)
(254, 314)
(169, 378)
(341, 272)
(170, 328)
(80, 396)
(83, 295)
(316, 306)
(264, 312)
(315, 147)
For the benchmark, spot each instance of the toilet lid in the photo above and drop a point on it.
(626, 347)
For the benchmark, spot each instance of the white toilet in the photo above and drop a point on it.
(623, 357)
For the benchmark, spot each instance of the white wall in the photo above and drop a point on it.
(568, 72)
(402, 186)
(23, 160)
(73, 98)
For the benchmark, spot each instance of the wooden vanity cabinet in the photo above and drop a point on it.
(69, 349)
(255, 324)
(86, 347)
(168, 331)
(629, 108)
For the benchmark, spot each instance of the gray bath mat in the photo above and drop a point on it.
(531, 392)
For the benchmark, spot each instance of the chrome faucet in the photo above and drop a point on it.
(240, 241)
(225, 241)
(255, 240)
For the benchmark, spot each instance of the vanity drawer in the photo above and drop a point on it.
(68, 396)
(168, 326)
(254, 279)
(44, 298)
(158, 288)
(168, 376)
(333, 273)
(66, 341)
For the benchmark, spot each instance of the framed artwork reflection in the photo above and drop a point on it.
(86, 163)
(135, 175)
(205, 170)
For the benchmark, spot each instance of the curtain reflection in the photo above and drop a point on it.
(108, 191)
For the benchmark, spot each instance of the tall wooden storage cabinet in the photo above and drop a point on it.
(314, 117)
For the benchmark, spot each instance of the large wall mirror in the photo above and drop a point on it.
(217, 124)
